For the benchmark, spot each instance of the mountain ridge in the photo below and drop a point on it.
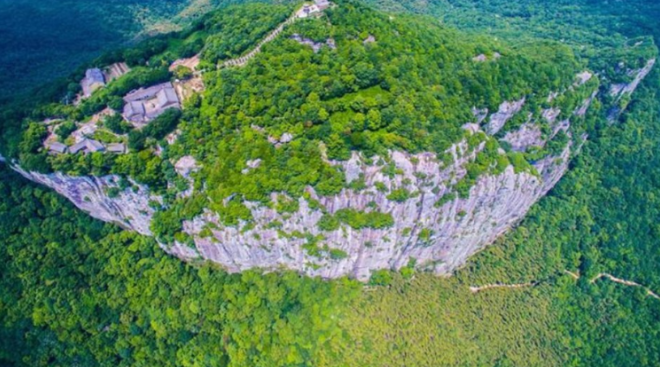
(373, 210)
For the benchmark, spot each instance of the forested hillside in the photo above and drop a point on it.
(76, 291)
(79, 291)
(601, 218)
(590, 24)
(45, 40)
(281, 132)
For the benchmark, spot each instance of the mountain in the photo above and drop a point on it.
(331, 137)
(353, 141)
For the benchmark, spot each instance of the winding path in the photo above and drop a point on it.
(242, 60)
(497, 285)
(624, 282)
(576, 276)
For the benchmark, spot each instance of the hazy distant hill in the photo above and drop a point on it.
(40, 40)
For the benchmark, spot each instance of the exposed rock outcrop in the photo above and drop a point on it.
(528, 135)
(316, 46)
(619, 91)
(129, 208)
(432, 226)
(505, 113)
(438, 238)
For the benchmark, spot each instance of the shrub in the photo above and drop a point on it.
(399, 195)
(328, 223)
(381, 277)
(65, 129)
(337, 254)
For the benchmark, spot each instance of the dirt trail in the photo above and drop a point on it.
(576, 276)
(491, 286)
(624, 282)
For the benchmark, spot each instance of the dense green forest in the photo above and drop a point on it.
(46, 39)
(75, 291)
(82, 292)
(412, 90)
(591, 24)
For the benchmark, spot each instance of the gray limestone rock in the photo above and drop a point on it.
(432, 226)
(130, 209)
(505, 112)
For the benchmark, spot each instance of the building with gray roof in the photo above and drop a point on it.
(145, 104)
(75, 148)
(134, 111)
(94, 146)
(322, 4)
(57, 148)
(93, 80)
(86, 146)
(167, 97)
(118, 148)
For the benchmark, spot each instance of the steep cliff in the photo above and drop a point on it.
(376, 153)
(438, 236)
(129, 208)
(432, 228)
(621, 92)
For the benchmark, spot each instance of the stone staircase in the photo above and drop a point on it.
(241, 61)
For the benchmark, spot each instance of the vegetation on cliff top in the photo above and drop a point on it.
(387, 83)
(77, 291)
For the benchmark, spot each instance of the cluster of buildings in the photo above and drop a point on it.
(141, 106)
(309, 10)
(86, 145)
(93, 80)
(145, 104)
(82, 143)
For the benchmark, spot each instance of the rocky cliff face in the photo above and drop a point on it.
(129, 208)
(618, 91)
(432, 227)
(439, 237)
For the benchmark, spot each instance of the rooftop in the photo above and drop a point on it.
(94, 75)
(145, 104)
(146, 93)
(87, 146)
(56, 147)
(116, 148)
